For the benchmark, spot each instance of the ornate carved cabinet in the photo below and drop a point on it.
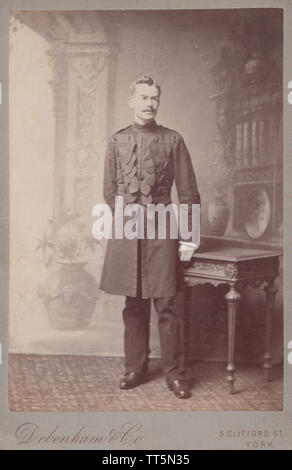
(249, 116)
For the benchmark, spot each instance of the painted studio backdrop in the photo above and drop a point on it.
(221, 78)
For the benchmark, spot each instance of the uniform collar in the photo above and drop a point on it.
(150, 126)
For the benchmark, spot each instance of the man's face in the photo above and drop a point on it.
(144, 102)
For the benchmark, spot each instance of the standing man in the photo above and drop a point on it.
(142, 161)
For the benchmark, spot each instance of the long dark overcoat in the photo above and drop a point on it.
(142, 162)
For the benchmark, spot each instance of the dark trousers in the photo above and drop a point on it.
(136, 316)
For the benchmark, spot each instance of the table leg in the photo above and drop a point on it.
(233, 298)
(271, 292)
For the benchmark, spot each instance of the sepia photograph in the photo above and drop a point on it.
(176, 110)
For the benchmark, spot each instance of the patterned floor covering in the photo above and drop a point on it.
(87, 383)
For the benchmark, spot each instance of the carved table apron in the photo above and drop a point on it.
(236, 267)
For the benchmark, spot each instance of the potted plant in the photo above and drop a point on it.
(70, 292)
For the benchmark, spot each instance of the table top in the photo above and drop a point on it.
(226, 253)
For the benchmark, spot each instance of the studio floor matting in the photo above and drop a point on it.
(89, 383)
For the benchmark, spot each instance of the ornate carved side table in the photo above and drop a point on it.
(236, 267)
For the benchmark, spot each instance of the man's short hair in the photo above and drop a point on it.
(145, 79)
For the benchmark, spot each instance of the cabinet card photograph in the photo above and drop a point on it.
(144, 220)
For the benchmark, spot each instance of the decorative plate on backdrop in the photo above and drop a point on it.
(258, 213)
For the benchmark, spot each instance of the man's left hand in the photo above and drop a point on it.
(185, 255)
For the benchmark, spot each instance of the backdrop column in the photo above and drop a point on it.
(81, 65)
